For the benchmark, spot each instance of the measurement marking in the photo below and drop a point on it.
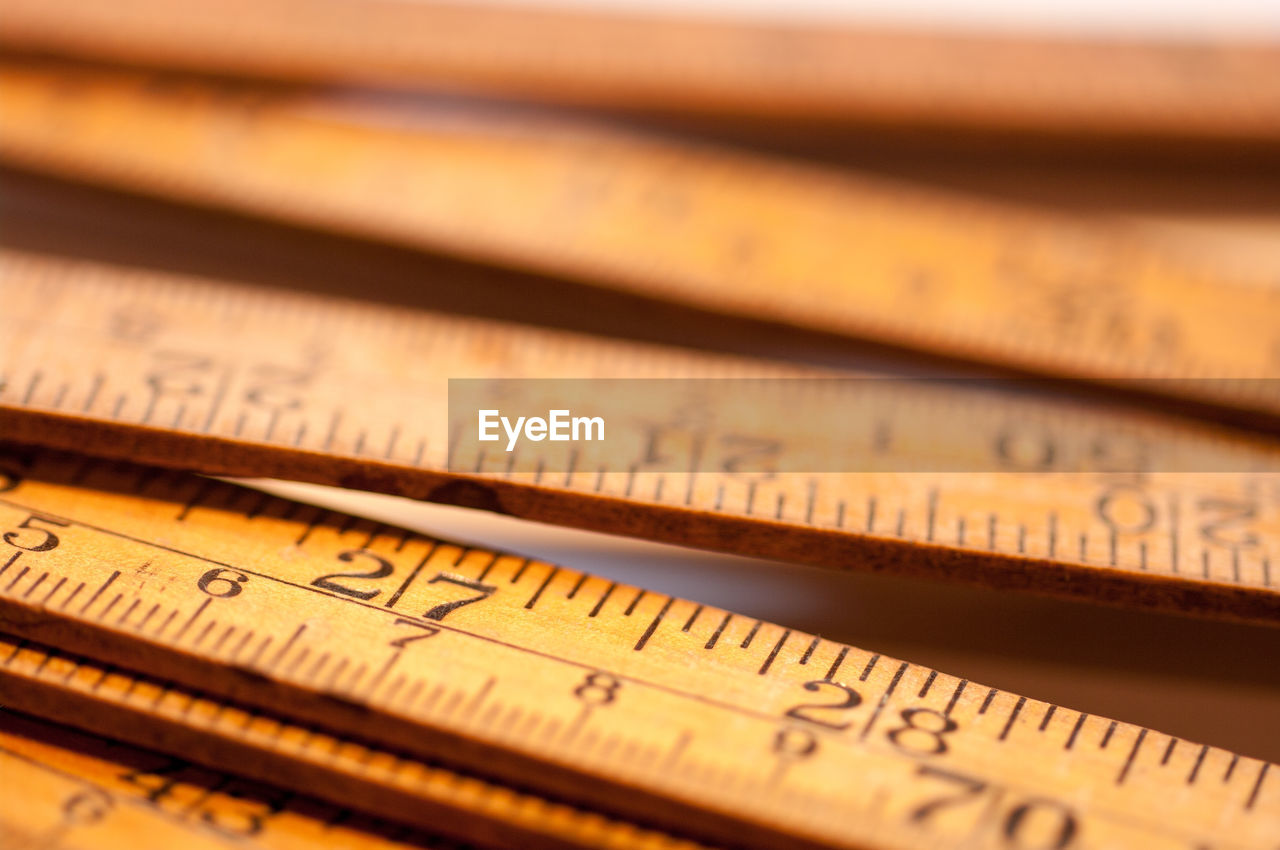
(1195, 769)
(74, 594)
(1173, 742)
(92, 599)
(533, 600)
(208, 627)
(835, 665)
(244, 641)
(105, 611)
(768, 662)
(1084, 547)
(190, 620)
(391, 442)
(334, 422)
(751, 635)
(216, 403)
(715, 636)
(374, 533)
(321, 514)
(812, 495)
(804, 659)
(17, 578)
(840, 514)
(1048, 715)
(519, 573)
(54, 590)
(1204, 562)
(1231, 767)
(960, 531)
(986, 702)
(653, 626)
(94, 389)
(931, 512)
(991, 531)
(1053, 534)
(146, 618)
(777, 514)
(1013, 716)
(1106, 736)
(884, 700)
(9, 562)
(487, 567)
(1075, 731)
(1257, 786)
(173, 615)
(871, 512)
(692, 618)
(257, 508)
(35, 584)
(955, 697)
(1142, 555)
(928, 683)
(1174, 530)
(217, 644)
(577, 585)
(1022, 540)
(902, 522)
(412, 575)
(608, 591)
(871, 665)
(634, 602)
(285, 647)
(31, 387)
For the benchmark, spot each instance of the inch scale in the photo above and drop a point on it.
(227, 380)
(351, 651)
(715, 229)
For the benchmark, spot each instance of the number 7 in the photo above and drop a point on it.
(439, 612)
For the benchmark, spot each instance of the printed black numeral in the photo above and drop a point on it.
(222, 582)
(852, 699)
(440, 611)
(47, 541)
(383, 570)
(916, 737)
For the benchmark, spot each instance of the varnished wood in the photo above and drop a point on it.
(228, 380)
(1198, 88)
(985, 283)
(644, 705)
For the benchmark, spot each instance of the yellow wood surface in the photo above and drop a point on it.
(724, 231)
(643, 705)
(1202, 88)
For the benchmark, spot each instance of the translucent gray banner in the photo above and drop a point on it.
(769, 426)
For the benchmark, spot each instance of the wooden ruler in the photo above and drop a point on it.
(234, 381)
(1198, 89)
(719, 230)
(65, 790)
(531, 673)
